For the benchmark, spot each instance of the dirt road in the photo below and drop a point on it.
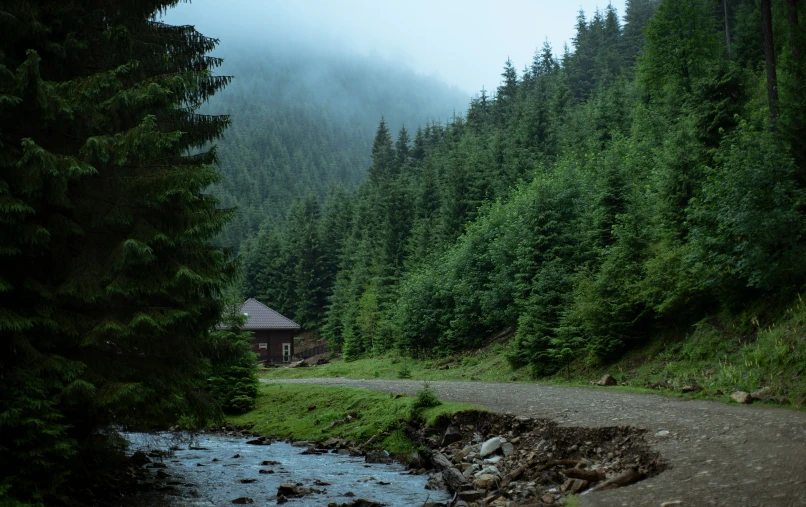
(719, 454)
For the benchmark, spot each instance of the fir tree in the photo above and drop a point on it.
(109, 285)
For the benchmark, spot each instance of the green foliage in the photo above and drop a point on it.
(233, 382)
(602, 195)
(109, 283)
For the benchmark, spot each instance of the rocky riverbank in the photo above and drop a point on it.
(489, 459)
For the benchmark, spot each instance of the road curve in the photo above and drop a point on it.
(719, 454)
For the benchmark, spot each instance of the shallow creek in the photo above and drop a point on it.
(204, 471)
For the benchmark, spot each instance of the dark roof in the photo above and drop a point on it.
(260, 316)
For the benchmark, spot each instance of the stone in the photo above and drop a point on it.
(490, 446)
(140, 458)
(281, 499)
(607, 380)
(690, 389)
(243, 500)
(671, 503)
(470, 495)
(290, 490)
(762, 394)
(269, 463)
(259, 441)
(485, 481)
(378, 457)
(507, 448)
(494, 460)
(492, 469)
(452, 435)
(662, 433)
(548, 498)
(248, 481)
(265, 471)
(435, 482)
(741, 397)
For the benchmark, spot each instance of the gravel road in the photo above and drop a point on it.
(719, 454)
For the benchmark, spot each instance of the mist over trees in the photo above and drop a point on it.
(637, 180)
(303, 121)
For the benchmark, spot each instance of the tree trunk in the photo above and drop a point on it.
(727, 27)
(792, 8)
(769, 58)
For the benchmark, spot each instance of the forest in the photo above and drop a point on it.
(302, 122)
(642, 179)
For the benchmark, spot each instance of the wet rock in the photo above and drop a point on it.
(607, 380)
(378, 457)
(281, 499)
(265, 471)
(435, 482)
(156, 465)
(321, 483)
(247, 481)
(194, 448)
(236, 456)
(742, 397)
(139, 458)
(485, 481)
(490, 446)
(259, 441)
(452, 434)
(243, 500)
(268, 463)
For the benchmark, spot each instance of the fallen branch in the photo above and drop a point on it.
(585, 475)
(630, 476)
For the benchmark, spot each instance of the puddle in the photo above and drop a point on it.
(204, 471)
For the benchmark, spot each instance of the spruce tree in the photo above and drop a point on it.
(109, 285)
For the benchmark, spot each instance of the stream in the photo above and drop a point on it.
(213, 470)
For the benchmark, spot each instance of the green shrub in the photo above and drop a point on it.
(469, 361)
(426, 398)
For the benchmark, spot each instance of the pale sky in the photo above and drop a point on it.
(461, 42)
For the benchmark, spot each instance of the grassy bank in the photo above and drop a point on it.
(719, 355)
(303, 412)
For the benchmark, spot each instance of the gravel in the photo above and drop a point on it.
(718, 454)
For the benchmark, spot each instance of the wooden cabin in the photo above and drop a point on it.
(273, 334)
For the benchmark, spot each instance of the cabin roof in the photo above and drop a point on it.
(260, 316)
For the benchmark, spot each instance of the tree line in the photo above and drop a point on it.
(111, 289)
(648, 175)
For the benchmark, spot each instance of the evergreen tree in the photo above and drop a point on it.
(109, 286)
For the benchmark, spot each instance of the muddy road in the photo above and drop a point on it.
(718, 454)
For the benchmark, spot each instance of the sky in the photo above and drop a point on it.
(463, 43)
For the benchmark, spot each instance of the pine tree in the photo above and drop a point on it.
(109, 285)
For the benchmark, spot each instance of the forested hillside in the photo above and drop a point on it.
(303, 121)
(644, 178)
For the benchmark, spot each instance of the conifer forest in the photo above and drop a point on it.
(648, 175)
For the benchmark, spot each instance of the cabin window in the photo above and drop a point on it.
(286, 352)
(263, 345)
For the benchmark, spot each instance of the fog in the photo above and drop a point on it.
(463, 43)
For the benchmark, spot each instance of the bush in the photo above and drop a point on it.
(426, 398)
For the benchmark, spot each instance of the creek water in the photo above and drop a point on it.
(207, 470)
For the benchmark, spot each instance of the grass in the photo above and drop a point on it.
(721, 354)
(305, 412)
